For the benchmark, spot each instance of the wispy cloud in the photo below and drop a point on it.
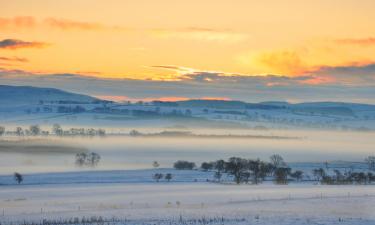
(13, 59)
(66, 24)
(357, 41)
(16, 44)
(30, 22)
(17, 22)
(199, 33)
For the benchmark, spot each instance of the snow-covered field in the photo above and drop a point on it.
(182, 201)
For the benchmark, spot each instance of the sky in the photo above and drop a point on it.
(292, 50)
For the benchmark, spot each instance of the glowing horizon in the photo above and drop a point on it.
(312, 43)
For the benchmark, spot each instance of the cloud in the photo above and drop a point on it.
(13, 59)
(351, 75)
(16, 44)
(249, 88)
(284, 61)
(66, 24)
(52, 22)
(357, 41)
(17, 22)
(199, 33)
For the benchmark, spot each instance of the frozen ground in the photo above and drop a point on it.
(186, 202)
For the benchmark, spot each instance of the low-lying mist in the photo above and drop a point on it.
(52, 154)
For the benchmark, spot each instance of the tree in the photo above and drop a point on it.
(339, 177)
(218, 175)
(277, 161)
(19, 131)
(281, 175)
(2, 130)
(326, 164)
(236, 167)
(35, 130)
(87, 159)
(327, 180)
(157, 176)
(168, 176)
(245, 177)
(370, 160)
(184, 165)
(135, 133)
(319, 174)
(101, 132)
(155, 164)
(93, 159)
(207, 166)
(18, 178)
(57, 129)
(255, 167)
(371, 177)
(265, 169)
(81, 159)
(297, 175)
(219, 166)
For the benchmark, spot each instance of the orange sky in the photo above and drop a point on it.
(137, 39)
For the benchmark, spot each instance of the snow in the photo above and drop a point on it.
(141, 201)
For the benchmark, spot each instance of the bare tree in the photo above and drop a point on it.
(277, 161)
(35, 130)
(81, 159)
(219, 166)
(157, 176)
(319, 174)
(93, 159)
(168, 176)
(57, 129)
(218, 175)
(2, 130)
(297, 175)
(281, 175)
(370, 160)
(87, 159)
(18, 177)
(19, 131)
(236, 167)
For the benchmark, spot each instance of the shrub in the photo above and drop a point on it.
(184, 165)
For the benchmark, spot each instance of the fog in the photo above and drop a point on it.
(53, 154)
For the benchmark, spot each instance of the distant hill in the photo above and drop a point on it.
(224, 104)
(306, 108)
(19, 95)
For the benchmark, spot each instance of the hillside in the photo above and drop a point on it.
(25, 103)
(20, 95)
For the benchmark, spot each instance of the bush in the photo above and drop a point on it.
(184, 165)
(281, 175)
(87, 159)
(207, 166)
(157, 176)
(18, 178)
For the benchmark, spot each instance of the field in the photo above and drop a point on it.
(121, 190)
(136, 199)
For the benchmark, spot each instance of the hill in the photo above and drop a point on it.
(20, 95)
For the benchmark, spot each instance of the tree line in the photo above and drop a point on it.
(35, 130)
(256, 171)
